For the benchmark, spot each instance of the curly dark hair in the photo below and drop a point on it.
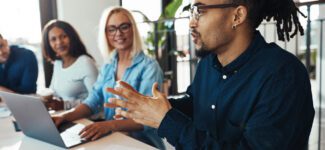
(77, 48)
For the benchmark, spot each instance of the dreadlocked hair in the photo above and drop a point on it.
(284, 12)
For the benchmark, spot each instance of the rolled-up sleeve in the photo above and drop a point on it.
(95, 99)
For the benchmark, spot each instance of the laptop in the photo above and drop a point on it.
(35, 121)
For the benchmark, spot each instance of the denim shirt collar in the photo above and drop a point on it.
(257, 42)
(137, 58)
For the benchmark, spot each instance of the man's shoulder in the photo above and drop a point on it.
(21, 51)
(274, 57)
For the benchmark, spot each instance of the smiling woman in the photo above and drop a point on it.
(63, 47)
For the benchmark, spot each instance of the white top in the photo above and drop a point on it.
(74, 83)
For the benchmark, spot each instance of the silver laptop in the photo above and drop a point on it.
(35, 121)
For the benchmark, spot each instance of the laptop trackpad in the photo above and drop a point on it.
(66, 125)
(71, 136)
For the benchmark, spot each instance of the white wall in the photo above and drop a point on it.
(84, 16)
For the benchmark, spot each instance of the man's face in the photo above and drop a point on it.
(4, 50)
(211, 29)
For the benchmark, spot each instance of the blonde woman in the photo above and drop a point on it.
(121, 45)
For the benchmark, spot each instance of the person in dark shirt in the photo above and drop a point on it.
(18, 69)
(246, 94)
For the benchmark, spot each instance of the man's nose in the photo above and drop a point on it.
(193, 23)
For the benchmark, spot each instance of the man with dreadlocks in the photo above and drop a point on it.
(246, 94)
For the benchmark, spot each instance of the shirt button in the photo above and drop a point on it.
(224, 77)
(213, 106)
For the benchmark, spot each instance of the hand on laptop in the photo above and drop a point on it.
(54, 103)
(96, 130)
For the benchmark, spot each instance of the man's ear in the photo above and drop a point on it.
(240, 15)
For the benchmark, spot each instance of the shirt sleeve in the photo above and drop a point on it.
(274, 124)
(152, 73)
(183, 103)
(95, 98)
(29, 76)
(91, 74)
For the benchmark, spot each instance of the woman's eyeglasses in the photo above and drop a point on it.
(196, 13)
(123, 28)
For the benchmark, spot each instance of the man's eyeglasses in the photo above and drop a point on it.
(196, 13)
(123, 28)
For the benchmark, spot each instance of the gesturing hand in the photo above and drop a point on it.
(142, 109)
(95, 130)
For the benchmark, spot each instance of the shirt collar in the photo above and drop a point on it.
(135, 60)
(257, 42)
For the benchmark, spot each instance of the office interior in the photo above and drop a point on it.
(22, 22)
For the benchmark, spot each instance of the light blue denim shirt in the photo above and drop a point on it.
(143, 72)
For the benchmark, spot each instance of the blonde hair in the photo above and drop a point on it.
(104, 46)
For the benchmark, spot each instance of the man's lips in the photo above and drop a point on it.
(194, 37)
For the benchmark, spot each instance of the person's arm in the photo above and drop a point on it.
(283, 114)
(4, 89)
(29, 75)
(81, 111)
(91, 73)
(98, 129)
(89, 106)
(183, 103)
(281, 118)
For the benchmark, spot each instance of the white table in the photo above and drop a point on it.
(11, 140)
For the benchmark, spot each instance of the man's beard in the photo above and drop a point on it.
(202, 52)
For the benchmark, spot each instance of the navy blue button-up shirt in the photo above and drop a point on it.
(20, 72)
(261, 100)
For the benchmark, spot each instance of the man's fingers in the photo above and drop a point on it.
(113, 91)
(118, 117)
(155, 91)
(130, 114)
(125, 90)
(110, 104)
(127, 86)
(120, 103)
